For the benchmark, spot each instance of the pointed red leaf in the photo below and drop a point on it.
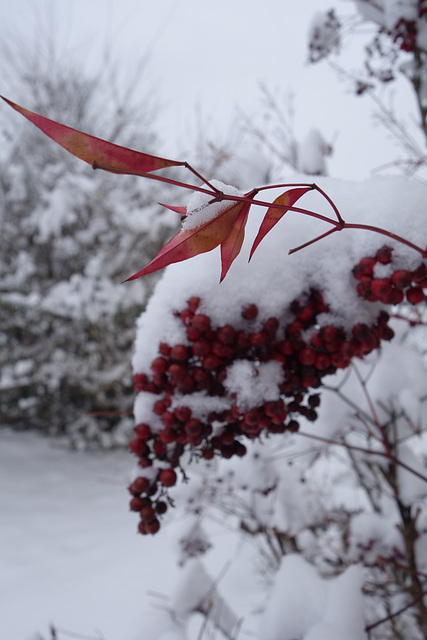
(181, 210)
(93, 150)
(274, 213)
(232, 244)
(188, 243)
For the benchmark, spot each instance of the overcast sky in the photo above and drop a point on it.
(209, 58)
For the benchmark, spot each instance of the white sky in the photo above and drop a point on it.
(208, 57)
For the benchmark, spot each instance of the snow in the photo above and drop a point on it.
(252, 385)
(332, 608)
(200, 213)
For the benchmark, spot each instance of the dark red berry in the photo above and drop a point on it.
(415, 295)
(401, 278)
(168, 477)
(250, 312)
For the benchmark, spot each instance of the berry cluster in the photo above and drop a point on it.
(391, 290)
(305, 351)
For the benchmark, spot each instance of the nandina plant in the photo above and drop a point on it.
(299, 352)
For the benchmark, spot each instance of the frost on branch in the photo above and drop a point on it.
(324, 35)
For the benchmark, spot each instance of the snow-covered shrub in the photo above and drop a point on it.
(285, 399)
(68, 237)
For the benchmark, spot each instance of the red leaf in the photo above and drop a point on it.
(274, 214)
(188, 243)
(232, 244)
(95, 151)
(181, 210)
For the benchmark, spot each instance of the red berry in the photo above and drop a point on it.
(415, 295)
(381, 289)
(153, 526)
(138, 447)
(201, 348)
(179, 352)
(364, 268)
(168, 477)
(193, 427)
(193, 303)
(167, 436)
(136, 504)
(193, 333)
(419, 273)
(383, 255)
(164, 349)
(143, 431)
(182, 413)
(211, 362)
(401, 278)
(177, 372)
(138, 486)
(307, 356)
(201, 322)
(258, 339)
(226, 334)
(250, 312)
(147, 514)
(208, 453)
(159, 365)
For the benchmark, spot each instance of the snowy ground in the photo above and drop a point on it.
(69, 554)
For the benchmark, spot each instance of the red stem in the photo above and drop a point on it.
(219, 196)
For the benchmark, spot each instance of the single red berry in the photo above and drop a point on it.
(193, 333)
(419, 273)
(145, 462)
(138, 447)
(136, 504)
(179, 352)
(167, 435)
(307, 356)
(138, 486)
(147, 514)
(143, 431)
(328, 333)
(153, 526)
(159, 448)
(293, 426)
(415, 295)
(164, 348)
(383, 255)
(193, 303)
(208, 453)
(182, 413)
(159, 365)
(159, 407)
(401, 278)
(250, 312)
(201, 322)
(211, 362)
(364, 268)
(161, 507)
(177, 372)
(168, 477)
(306, 313)
(258, 339)
(239, 449)
(201, 348)
(193, 427)
(381, 289)
(364, 287)
(186, 316)
(226, 334)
